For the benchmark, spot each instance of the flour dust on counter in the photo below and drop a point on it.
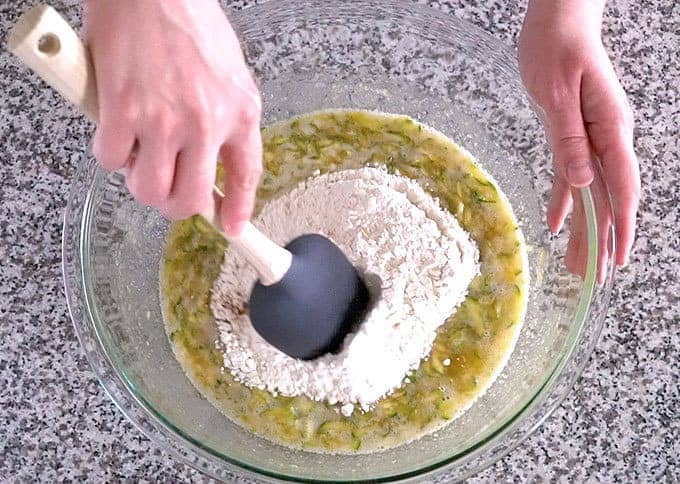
(469, 345)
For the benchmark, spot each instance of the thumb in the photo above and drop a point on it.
(569, 140)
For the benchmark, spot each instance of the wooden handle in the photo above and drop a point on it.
(270, 260)
(46, 43)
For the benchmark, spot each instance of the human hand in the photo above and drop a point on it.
(567, 72)
(173, 84)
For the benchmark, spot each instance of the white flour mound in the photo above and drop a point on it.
(388, 226)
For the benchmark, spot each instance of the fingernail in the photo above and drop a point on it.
(580, 173)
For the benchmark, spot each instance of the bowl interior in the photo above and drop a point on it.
(306, 56)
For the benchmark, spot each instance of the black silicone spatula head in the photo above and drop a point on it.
(315, 305)
(308, 295)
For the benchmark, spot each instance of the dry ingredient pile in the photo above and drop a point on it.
(416, 256)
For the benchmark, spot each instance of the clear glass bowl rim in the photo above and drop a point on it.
(578, 348)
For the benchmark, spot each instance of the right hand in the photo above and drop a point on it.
(172, 83)
(567, 72)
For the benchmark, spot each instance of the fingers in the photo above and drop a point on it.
(603, 219)
(242, 158)
(150, 176)
(576, 257)
(191, 191)
(621, 172)
(117, 118)
(604, 226)
(114, 138)
(574, 160)
(610, 126)
(569, 141)
(559, 205)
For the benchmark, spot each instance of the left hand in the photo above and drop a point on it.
(567, 72)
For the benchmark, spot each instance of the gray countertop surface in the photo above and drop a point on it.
(619, 424)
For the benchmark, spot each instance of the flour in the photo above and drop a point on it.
(416, 256)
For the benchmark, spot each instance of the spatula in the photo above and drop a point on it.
(308, 296)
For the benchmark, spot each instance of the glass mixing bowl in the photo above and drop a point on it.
(307, 55)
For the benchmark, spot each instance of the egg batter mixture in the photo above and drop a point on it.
(469, 350)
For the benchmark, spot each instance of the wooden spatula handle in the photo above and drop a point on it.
(270, 260)
(46, 43)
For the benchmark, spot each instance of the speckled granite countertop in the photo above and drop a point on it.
(620, 423)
